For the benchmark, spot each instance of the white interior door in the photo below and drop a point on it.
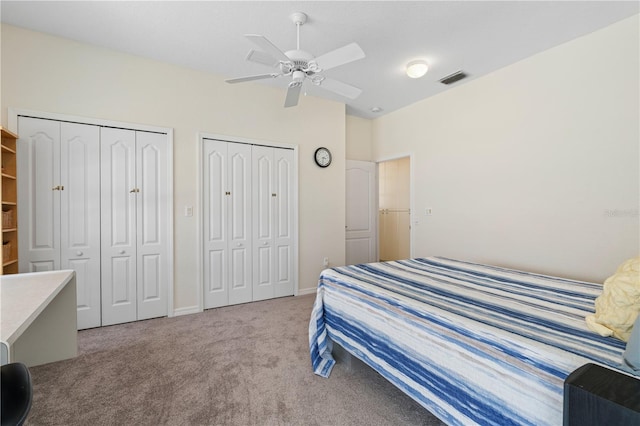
(80, 215)
(248, 210)
(152, 225)
(264, 222)
(239, 214)
(226, 170)
(67, 172)
(215, 212)
(39, 194)
(272, 193)
(361, 223)
(118, 204)
(284, 224)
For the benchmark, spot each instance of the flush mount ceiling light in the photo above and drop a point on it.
(417, 68)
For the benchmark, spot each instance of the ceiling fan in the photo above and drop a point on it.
(300, 65)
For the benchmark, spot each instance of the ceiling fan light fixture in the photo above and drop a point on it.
(298, 77)
(316, 79)
(417, 68)
(300, 65)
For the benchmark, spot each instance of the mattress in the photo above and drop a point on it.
(472, 343)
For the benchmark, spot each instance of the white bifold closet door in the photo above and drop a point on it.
(135, 227)
(272, 194)
(59, 205)
(248, 222)
(227, 223)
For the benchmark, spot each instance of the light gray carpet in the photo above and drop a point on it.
(238, 365)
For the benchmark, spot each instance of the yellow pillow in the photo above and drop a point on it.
(619, 304)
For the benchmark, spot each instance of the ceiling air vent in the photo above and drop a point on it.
(452, 78)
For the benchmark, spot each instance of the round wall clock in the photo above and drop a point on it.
(323, 157)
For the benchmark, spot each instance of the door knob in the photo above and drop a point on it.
(265, 243)
(79, 253)
(122, 251)
(239, 244)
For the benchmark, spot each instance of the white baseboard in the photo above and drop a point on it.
(305, 291)
(186, 311)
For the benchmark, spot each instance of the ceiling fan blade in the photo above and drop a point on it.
(342, 89)
(262, 58)
(251, 78)
(268, 47)
(343, 55)
(293, 94)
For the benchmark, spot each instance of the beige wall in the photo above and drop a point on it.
(45, 73)
(359, 139)
(534, 166)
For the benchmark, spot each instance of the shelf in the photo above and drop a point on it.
(8, 133)
(6, 148)
(8, 195)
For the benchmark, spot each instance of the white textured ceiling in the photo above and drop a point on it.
(473, 36)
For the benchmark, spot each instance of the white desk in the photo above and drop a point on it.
(38, 321)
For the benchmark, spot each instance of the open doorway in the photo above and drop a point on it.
(394, 222)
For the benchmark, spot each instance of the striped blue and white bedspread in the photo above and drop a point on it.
(474, 344)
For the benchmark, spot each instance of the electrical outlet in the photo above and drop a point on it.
(325, 262)
(428, 211)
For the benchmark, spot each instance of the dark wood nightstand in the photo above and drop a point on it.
(595, 395)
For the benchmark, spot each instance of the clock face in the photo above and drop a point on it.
(323, 157)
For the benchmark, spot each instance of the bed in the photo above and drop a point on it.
(472, 343)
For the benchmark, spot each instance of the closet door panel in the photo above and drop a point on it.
(152, 224)
(85, 294)
(283, 262)
(39, 194)
(80, 215)
(257, 261)
(149, 284)
(240, 222)
(119, 296)
(263, 222)
(118, 224)
(215, 201)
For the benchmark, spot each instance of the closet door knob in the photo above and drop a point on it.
(79, 253)
(122, 252)
(265, 243)
(239, 244)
